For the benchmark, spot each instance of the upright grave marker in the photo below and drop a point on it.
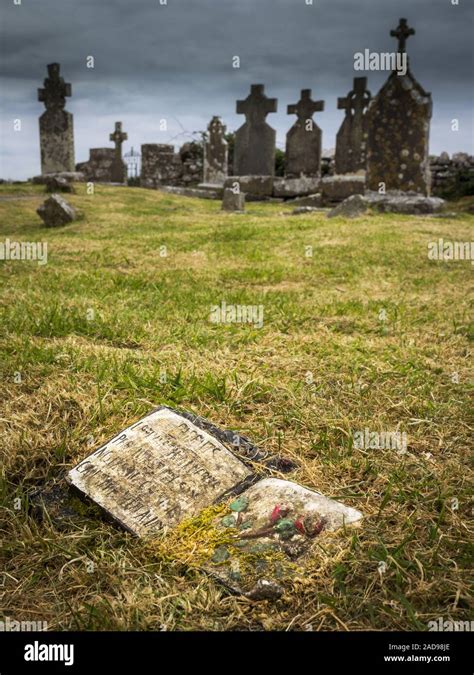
(254, 153)
(398, 123)
(118, 168)
(215, 153)
(56, 124)
(351, 139)
(303, 140)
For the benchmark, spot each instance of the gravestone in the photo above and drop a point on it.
(56, 124)
(303, 140)
(254, 152)
(56, 211)
(398, 123)
(169, 467)
(351, 139)
(215, 153)
(160, 165)
(118, 168)
(233, 201)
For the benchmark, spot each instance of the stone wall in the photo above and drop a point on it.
(452, 177)
(99, 166)
(162, 166)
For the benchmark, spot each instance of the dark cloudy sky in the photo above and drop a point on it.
(174, 62)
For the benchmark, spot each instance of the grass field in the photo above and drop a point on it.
(115, 325)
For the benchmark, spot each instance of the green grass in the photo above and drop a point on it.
(149, 341)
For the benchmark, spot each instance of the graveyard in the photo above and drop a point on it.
(110, 329)
(236, 372)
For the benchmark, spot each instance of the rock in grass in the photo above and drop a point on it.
(352, 207)
(56, 211)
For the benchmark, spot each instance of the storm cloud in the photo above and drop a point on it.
(174, 61)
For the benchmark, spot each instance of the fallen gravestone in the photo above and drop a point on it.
(305, 209)
(233, 201)
(56, 212)
(172, 468)
(393, 201)
(58, 184)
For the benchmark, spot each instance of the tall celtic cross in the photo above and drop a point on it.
(118, 137)
(402, 33)
(357, 99)
(256, 106)
(306, 107)
(55, 89)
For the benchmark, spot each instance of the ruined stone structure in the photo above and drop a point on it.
(351, 139)
(398, 122)
(99, 166)
(303, 140)
(56, 124)
(162, 166)
(254, 153)
(215, 153)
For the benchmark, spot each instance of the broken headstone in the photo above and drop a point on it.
(56, 211)
(233, 201)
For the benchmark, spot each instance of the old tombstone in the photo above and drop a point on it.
(233, 201)
(56, 211)
(171, 466)
(303, 140)
(351, 139)
(254, 152)
(398, 123)
(215, 153)
(58, 183)
(160, 165)
(119, 168)
(56, 124)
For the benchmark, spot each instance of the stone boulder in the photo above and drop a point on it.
(56, 211)
(352, 207)
(58, 184)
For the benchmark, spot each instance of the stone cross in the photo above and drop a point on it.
(118, 169)
(215, 153)
(306, 107)
(256, 106)
(402, 33)
(303, 140)
(118, 137)
(56, 124)
(398, 128)
(351, 138)
(357, 100)
(55, 89)
(254, 153)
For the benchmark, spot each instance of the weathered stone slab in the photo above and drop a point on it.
(272, 527)
(335, 189)
(295, 187)
(312, 201)
(402, 202)
(233, 201)
(201, 193)
(351, 139)
(160, 165)
(69, 176)
(254, 152)
(58, 184)
(398, 123)
(56, 124)
(255, 187)
(215, 153)
(56, 211)
(304, 139)
(158, 472)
